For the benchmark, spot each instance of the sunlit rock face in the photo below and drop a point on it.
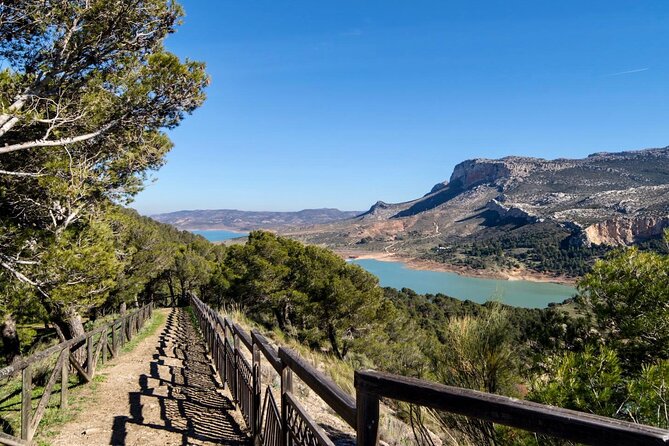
(626, 230)
(606, 198)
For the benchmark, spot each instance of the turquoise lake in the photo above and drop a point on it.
(218, 235)
(519, 293)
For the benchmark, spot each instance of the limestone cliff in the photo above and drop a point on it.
(626, 230)
(606, 198)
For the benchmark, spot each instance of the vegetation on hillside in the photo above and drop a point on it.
(542, 247)
(610, 358)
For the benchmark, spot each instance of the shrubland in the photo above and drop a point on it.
(604, 352)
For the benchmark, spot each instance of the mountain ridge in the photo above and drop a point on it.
(237, 220)
(511, 175)
(606, 198)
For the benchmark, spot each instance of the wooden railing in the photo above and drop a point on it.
(106, 339)
(542, 419)
(287, 423)
(291, 424)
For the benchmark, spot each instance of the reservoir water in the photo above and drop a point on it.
(519, 293)
(218, 235)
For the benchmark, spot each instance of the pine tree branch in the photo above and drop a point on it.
(57, 142)
(20, 174)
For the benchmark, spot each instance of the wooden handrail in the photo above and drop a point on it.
(220, 321)
(269, 352)
(10, 440)
(341, 402)
(243, 336)
(30, 419)
(17, 366)
(284, 361)
(227, 323)
(554, 421)
(362, 412)
(21, 364)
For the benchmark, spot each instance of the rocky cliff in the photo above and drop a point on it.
(626, 230)
(606, 198)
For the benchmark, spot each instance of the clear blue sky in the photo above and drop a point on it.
(341, 103)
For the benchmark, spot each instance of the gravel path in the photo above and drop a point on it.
(164, 392)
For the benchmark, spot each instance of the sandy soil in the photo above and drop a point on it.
(428, 265)
(164, 392)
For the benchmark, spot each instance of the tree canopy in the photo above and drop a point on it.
(87, 91)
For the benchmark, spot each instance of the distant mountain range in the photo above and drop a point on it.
(235, 220)
(518, 203)
(517, 212)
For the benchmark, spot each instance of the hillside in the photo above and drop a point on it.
(510, 207)
(235, 220)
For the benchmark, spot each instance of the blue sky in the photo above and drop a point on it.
(342, 103)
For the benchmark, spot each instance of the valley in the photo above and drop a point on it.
(510, 218)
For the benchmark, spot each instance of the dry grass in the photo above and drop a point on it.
(393, 431)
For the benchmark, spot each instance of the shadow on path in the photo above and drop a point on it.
(181, 395)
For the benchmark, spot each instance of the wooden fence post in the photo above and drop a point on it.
(121, 334)
(89, 356)
(225, 356)
(367, 408)
(235, 352)
(212, 332)
(205, 320)
(286, 387)
(255, 404)
(26, 402)
(114, 340)
(103, 339)
(64, 377)
(126, 329)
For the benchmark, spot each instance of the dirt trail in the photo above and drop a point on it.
(164, 392)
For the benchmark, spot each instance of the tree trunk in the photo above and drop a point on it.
(149, 292)
(75, 327)
(123, 308)
(11, 348)
(171, 287)
(183, 292)
(279, 319)
(344, 349)
(333, 341)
